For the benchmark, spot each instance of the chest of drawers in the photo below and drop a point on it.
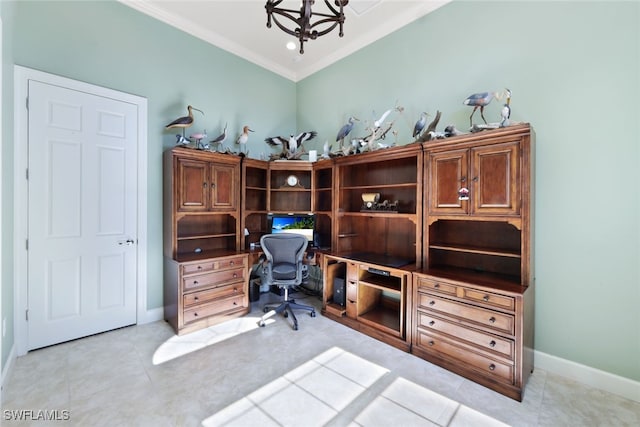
(204, 292)
(475, 331)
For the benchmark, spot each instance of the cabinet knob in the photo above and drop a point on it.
(195, 282)
(195, 314)
(485, 298)
(463, 179)
(213, 185)
(432, 302)
(231, 263)
(492, 319)
(199, 267)
(492, 367)
(431, 343)
(492, 344)
(437, 286)
(195, 298)
(235, 303)
(204, 185)
(475, 179)
(432, 323)
(235, 275)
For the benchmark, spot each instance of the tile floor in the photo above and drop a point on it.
(236, 374)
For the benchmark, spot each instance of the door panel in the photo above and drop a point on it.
(448, 175)
(495, 172)
(82, 214)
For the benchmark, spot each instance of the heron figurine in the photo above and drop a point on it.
(506, 110)
(183, 122)
(481, 100)
(345, 130)
(217, 141)
(420, 124)
(243, 138)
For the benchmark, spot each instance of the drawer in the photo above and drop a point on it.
(499, 301)
(199, 267)
(352, 271)
(215, 278)
(467, 313)
(433, 343)
(207, 295)
(230, 262)
(486, 341)
(437, 286)
(217, 306)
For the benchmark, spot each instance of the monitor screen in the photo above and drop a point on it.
(293, 223)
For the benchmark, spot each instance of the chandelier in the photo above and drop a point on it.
(305, 29)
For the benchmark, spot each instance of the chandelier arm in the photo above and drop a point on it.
(327, 30)
(282, 27)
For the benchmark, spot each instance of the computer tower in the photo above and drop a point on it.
(338, 291)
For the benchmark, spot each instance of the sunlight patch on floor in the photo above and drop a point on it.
(178, 346)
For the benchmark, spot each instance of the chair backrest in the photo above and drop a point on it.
(284, 252)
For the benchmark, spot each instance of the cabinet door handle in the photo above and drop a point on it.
(492, 344)
(231, 263)
(492, 319)
(475, 179)
(437, 286)
(235, 275)
(195, 282)
(463, 179)
(204, 185)
(213, 185)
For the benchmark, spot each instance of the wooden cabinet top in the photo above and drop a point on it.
(203, 155)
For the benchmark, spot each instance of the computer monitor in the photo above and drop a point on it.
(301, 223)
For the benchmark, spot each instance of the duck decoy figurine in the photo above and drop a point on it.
(345, 130)
(183, 122)
(217, 141)
(243, 138)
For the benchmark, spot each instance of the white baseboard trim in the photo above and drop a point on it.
(6, 370)
(611, 383)
(152, 315)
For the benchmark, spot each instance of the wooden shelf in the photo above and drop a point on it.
(383, 318)
(476, 250)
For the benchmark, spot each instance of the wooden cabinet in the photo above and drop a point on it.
(254, 200)
(322, 202)
(477, 180)
(481, 332)
(392, 231)
(204, 292)
(204, 281)
(473, 298)
(375, 300)
(204, 185)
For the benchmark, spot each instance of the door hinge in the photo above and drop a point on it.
(26, 174)
(26, 314)
(26, 244)
(27, 103)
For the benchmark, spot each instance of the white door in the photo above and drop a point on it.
(82, 214)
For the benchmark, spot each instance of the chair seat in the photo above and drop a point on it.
(284, 271)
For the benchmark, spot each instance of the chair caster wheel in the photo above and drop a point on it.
(295, 327)
(313, 314)
(261, 324)
(285, 314)
(265, 310)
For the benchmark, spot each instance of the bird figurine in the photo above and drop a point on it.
(345, 130)
(198, 137)
(420, 124)
(506, 110)
(183, 122)
(450, 131)
(182, 140)
(290, 145)
(243, 138)
(217, 141)
(326, 150)
(378, 123)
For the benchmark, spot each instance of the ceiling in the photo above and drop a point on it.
(239, 27)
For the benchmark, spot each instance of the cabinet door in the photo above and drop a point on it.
(192, 185)
(222, 185)
(447, 176)
(495, 170)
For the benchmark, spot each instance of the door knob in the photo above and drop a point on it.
(127, 242)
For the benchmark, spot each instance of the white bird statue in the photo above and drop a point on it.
(243, 138)
(182, 140)
(326, 149)
(506, 110)
(292, 143)
(219, 140)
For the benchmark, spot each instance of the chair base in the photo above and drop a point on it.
(286, 308)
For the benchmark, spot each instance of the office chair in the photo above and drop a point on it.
(283, 268)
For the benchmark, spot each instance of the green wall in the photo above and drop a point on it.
(109, 44)
(574, 71)
(573, 68)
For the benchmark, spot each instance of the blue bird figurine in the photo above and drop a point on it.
(420, 124)
(345, 130)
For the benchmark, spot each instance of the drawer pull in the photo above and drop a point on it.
(231, 263)
(235, 275)
(432, 302)
(492, 344)
(195, 314)
(437, 286)
(235, 303)
(492, 319)
(431, 343)
(492, 367)
(196, 298)
(199, 267)
(432, 323)
(485, 298)
(195, 282)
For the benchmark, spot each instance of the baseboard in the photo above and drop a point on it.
(152, 315)
(611, 383)
(6, 369)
